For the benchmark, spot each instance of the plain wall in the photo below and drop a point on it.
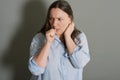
(99, 19)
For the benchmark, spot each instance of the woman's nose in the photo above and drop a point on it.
(54, 23)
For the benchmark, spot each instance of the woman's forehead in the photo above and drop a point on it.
(57, 12)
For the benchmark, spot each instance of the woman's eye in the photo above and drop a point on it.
(60, 19)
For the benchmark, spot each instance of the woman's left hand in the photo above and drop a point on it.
(69, 30)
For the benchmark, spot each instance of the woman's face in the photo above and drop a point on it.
(59, 20)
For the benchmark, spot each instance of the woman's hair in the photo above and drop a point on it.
(64, 6)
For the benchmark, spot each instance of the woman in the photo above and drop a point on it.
(59, 51)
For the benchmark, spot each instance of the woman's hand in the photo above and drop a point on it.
(50, 35)
(69, 30)
(70, 44)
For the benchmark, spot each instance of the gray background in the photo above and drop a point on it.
(99, 19)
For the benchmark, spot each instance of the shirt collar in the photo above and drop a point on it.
(57, 38)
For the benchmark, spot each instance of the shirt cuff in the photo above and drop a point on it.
(34, 67)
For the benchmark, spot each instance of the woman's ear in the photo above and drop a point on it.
(70, 21)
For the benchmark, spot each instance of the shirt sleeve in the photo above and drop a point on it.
(36, 45)
(80, 56)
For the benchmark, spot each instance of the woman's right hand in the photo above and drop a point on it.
(50, 35)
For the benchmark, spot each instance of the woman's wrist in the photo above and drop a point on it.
(67, 37)
(48, 43)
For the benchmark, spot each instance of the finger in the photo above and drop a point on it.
(52, 32)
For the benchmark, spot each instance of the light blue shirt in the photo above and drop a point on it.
(60, 65)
